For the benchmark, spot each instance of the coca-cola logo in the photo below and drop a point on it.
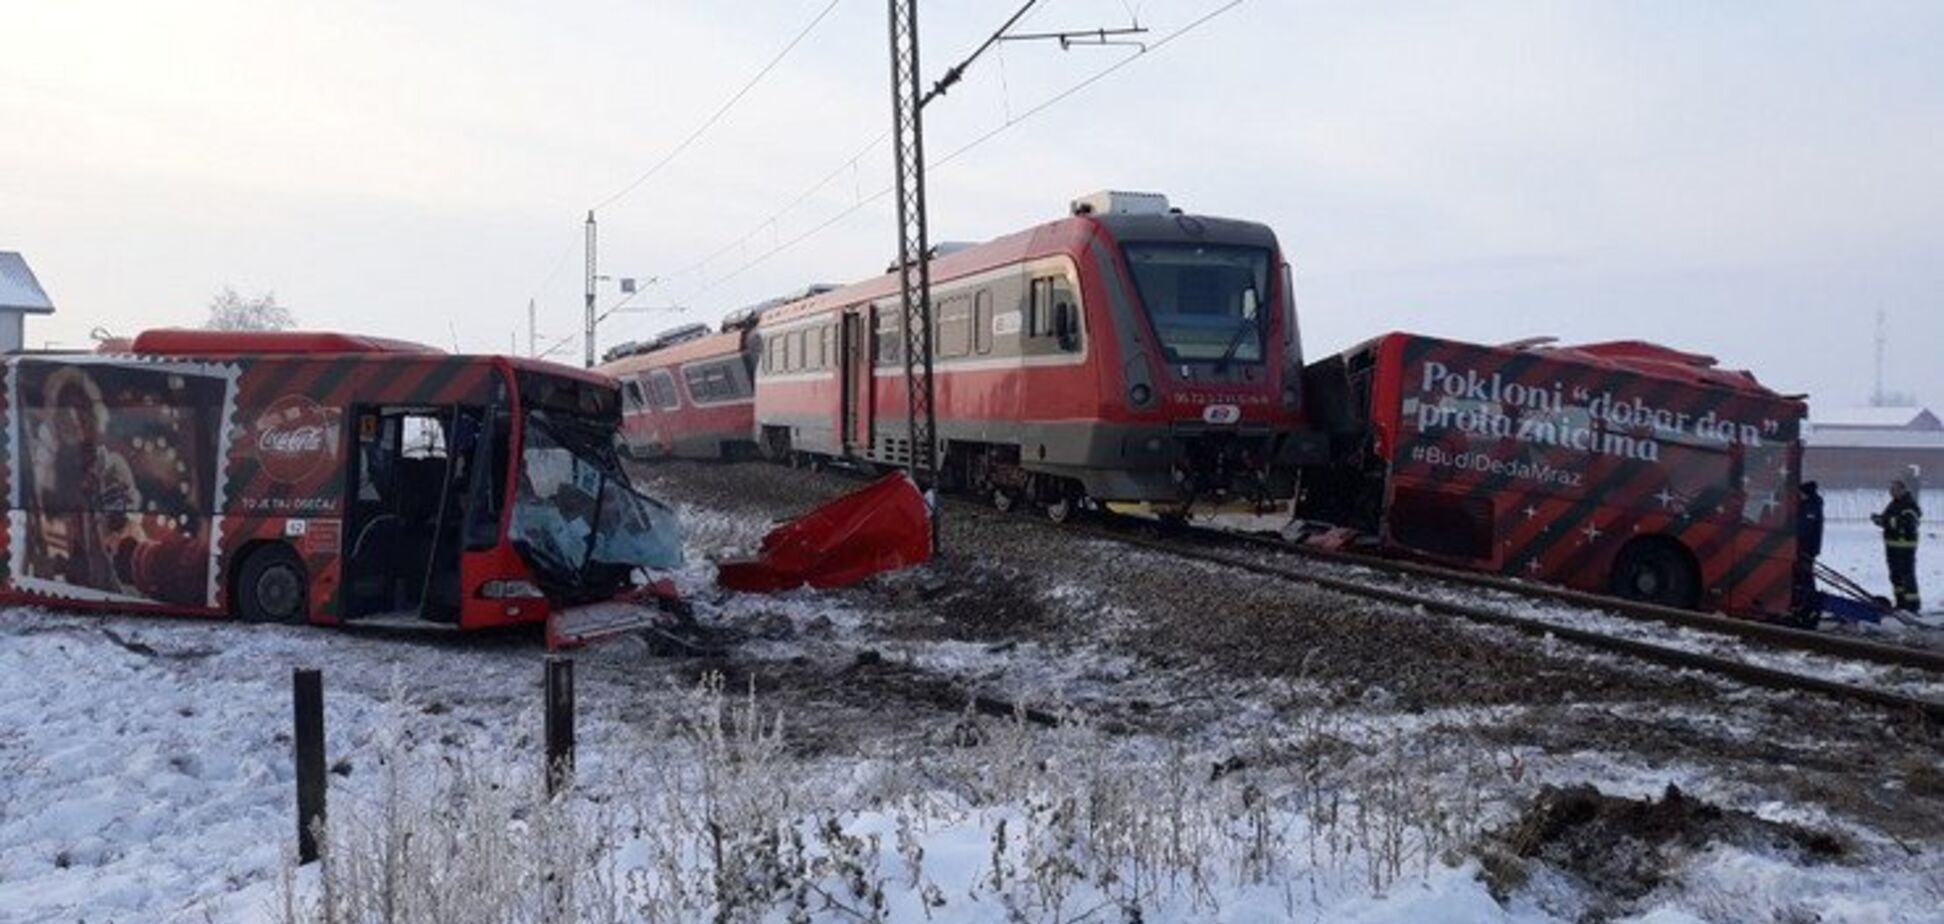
(296, 438)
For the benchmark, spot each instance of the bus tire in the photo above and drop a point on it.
(273, 587)
(1656, 571)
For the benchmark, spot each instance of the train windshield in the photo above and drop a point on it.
(1206, 301)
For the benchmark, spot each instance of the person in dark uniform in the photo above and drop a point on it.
(1809, 540)
(1899, 523)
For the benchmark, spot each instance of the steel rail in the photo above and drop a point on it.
(1855, 649)
(1752, 674)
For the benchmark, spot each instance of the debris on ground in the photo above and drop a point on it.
(884, 527)
(1623, 849)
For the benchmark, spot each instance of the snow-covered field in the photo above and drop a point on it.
(812, 767)
(1852, 545)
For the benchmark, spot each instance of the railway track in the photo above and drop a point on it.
(1745, 671)
(1210, 543)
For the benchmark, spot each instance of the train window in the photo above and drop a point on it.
(889, 336)
(982, 322)
(1065, 320)
(631, 389)
(1039, 314)
(798, 350)
(954, 327)
(829, 345)
(660, 388)
(773, 355)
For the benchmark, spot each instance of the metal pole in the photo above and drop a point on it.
(307, 700)
(591, 269)
(533, 330)
(559, 691)
(914, 264)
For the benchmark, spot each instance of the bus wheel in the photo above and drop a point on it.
(1656, 572)
(272, 587)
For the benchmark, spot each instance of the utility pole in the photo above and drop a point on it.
(914, 264)
(908, 100)
(533, 330)
(591, 269)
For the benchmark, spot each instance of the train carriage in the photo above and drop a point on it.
(1623, 468)
(693, 399)
(1126, 353)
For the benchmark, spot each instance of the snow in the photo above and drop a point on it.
(147, 775)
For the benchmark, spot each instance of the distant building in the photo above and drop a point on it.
(1867, 447)
(20, 296)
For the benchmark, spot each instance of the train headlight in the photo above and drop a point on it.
(1140, 393)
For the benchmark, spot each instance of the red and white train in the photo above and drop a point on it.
(1128, 352)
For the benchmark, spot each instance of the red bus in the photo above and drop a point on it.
(1622, 468)
(317, 477)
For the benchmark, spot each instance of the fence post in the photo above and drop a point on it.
(559, 691)
(307, 698)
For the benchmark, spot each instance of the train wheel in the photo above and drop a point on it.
(1061, 510)
(272, 587)
(1002, 500)
(1656, 572)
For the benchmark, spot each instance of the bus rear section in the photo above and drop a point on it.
(315, 478)
(1621, 468)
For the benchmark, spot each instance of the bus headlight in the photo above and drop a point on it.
(509, 590)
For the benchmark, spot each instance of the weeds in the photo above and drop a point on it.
(1018, 822)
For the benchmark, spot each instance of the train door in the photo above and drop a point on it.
(857, 383)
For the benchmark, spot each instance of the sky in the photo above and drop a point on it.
(1754, 181)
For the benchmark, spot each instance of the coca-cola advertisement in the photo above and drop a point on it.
(117, 467)
(295, 438)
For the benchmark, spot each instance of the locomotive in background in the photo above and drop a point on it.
(1128, 353)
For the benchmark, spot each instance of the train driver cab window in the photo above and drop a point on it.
(1055, 313)
(631, 389)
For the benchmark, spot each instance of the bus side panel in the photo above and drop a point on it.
(290, 457)
(1545, 468)
(113, 469)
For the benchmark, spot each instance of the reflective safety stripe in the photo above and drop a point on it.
(1899, 543)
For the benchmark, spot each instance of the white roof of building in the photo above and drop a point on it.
(1888, 418)
(1872, 438)
(19, 290)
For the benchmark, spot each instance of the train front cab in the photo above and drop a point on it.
(1196, 360)
(1699, 515)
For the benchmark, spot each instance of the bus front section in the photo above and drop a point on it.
(575, 529)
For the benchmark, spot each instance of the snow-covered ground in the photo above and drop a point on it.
(145, 775)
(1852, 545)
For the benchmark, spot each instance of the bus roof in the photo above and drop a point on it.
(176, 341)
(234, 344)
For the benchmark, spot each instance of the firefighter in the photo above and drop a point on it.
(1899, 523)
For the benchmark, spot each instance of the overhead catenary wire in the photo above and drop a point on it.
(954, 154)
(720, 111)
(561, 261)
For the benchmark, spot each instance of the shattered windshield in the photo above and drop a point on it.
(574, 507)
(1204, 300)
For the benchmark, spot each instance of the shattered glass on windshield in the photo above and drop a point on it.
(575, 512)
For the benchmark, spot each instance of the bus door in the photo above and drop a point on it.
(857, 382)
(404, 524)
